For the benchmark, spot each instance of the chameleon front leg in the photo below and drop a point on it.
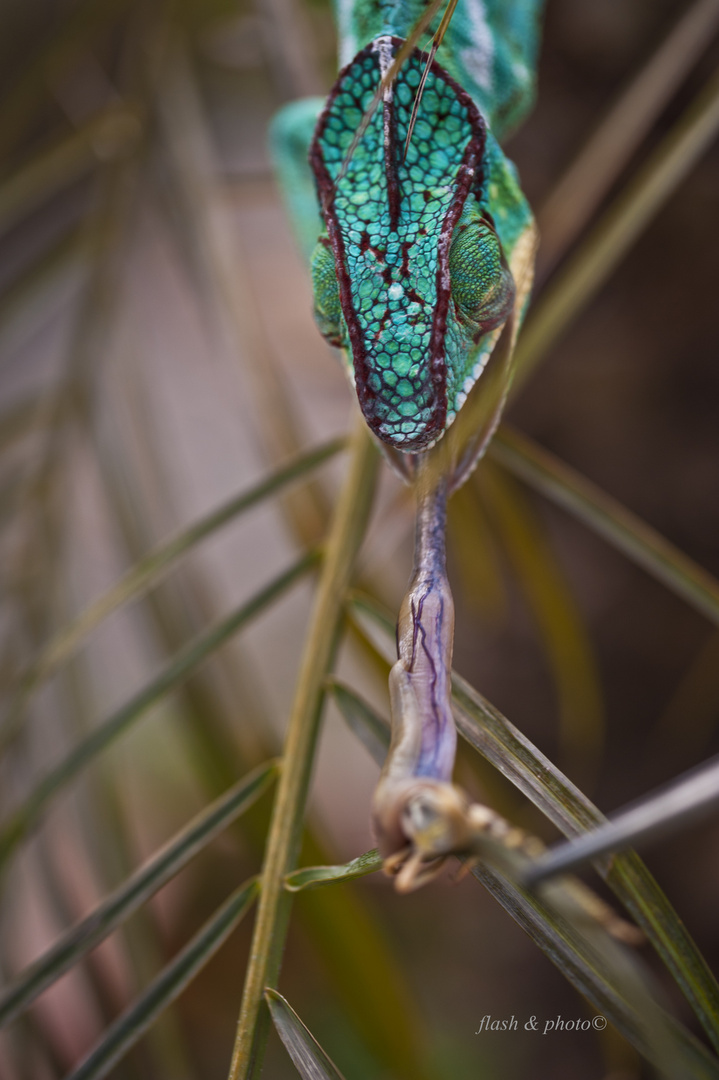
(419, 816)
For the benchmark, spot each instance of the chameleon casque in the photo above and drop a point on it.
(421, 251)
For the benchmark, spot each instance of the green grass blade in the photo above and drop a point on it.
(309, 877)
(590, 176)
(488, 731)
(227, 278)
(601, 971)
(361, 719)
(150, 569)
(358, 715)
(500, 742)
(310, 1060)
(561, 630)
(690, 798)
(346, 533)
(607, 517)
(169, 984)
(484, 727)
(607, 975)
(368, 979)
(630, 880)
(376, 626)
(476, 554)
(134, 892)
(171, 676)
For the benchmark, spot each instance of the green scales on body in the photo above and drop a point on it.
(411, 273)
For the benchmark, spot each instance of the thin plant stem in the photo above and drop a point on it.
(607, 517)
(348, 528)
(167, 986)
(617, 229)
(146, 571)
(134, 891)
(180, 667)
(112, 133)
(585, 183)
(228, 281)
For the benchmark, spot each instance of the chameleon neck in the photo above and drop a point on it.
(490, 48)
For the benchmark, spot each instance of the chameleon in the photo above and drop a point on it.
(422, 241)
(421, 247)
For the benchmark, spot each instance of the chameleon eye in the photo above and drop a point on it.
(328, 311)
(481, 283)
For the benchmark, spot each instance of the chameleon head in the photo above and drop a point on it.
(410, 275)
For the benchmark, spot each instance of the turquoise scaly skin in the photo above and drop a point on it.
(412, 272)
(490, 48)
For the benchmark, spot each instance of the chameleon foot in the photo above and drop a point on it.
(432, 820)
(437, 819)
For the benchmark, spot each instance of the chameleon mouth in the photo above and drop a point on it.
(408, 442)
(410, 431)
(403, 405)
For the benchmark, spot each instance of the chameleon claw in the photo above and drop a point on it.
(465, 869)
(410, 870)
